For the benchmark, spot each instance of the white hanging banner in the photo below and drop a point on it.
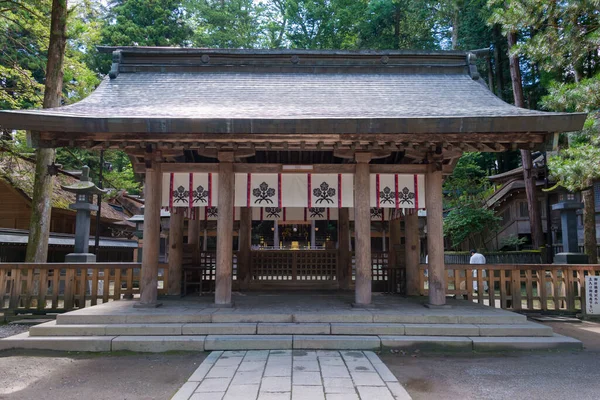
(330, 190)
(212, 213)
(189, 190)
(294, 190)
(377, 214)
(396, 191)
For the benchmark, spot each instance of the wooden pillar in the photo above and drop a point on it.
(362, 223)
(435, 236)
(313, 239)
(193, 231)
(245, 240)
(413, 250)
(383, 247)
(344, 256)
(225, 231)
(175, 252)
(276, 234)
(150, 251)
(205, 237)
(395, 236)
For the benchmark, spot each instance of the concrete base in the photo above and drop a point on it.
(147, 305)
(571, 258)
(437, 306)
(360, 305)
(80, 258)
(226, 305)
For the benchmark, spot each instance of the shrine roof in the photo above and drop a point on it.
(180, 90)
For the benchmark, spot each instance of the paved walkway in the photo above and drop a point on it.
(292, 375)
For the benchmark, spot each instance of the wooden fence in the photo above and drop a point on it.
(58, 287)
(527, 287)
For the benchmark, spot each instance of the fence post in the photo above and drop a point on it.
(15, 289)
(69, 292)
(515, 275)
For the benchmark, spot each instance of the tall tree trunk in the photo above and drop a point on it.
(535, 218)
(397, 27)
(41, 202)
(498, 62)
(589, 225)
(455, 28)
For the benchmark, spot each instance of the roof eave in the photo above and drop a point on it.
(539, 123)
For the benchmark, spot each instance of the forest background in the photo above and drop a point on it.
(541, 54)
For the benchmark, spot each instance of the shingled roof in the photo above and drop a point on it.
(172, 90)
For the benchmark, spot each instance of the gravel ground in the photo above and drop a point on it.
(7, 330)
(28, 374)
(511, 376)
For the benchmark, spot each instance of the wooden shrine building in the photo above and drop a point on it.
(291, 131)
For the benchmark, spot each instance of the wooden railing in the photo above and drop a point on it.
(518, 287)
(57, 287)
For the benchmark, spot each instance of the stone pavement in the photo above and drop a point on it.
(292, 375)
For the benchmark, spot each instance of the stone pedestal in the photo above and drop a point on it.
(568, 220)
(77, 258)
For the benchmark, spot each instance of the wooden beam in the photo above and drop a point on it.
(288, 168)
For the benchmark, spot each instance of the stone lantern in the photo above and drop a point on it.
(84, 195)
(568, 218)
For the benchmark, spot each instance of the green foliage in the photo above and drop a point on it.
(398, 24)
(513, 241)
(577, 167)
(146, 23)
(224, 24)
(468, 221)
(465, 193)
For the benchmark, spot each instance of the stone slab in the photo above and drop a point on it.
(51, 329)
(218, 328)
(248, 342)
(410, 318)
(185, 391)
(342, 316)
(145, 317)
(528, 329)
(143, 329)
(333, 342)
(501, 318)
(158, 344)
(237, 317)
(555, 342)
(366, 329)
(436, 343)
(90, 319)
(441, 330)
(59, 343)
(294, 329)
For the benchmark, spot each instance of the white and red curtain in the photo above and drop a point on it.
(290, 196)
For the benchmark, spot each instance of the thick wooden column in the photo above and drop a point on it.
(394, 242)
(362, 223)
(245, 240)
(413, 250)
(435, 236)
(313, 234)
(175, 253)
(193, 231)
(344, 256)
(224, 231)
(150, 251)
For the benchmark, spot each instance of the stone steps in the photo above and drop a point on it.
(161, 343)
(526, 329)
(231, 316)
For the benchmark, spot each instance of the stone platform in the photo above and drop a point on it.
(267, 321)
